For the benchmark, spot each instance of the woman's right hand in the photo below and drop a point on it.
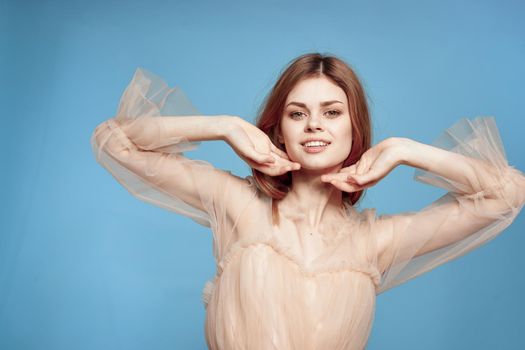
(256, 149)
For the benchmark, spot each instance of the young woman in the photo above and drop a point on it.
(298, 266)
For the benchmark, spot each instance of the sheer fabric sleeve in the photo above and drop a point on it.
(459, 221)
(158, 172)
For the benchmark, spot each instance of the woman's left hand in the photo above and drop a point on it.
(373, 166)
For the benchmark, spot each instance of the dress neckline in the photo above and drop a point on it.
(346, 208)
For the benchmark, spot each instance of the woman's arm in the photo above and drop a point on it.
(142, 148)
(145, 156)
(484, 196)
(474, 179)
(166, 179)
(251, 144)
(154, 133)
(472, 176)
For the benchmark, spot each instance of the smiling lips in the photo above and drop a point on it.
(315, 146)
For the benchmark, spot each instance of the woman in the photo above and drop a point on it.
(298, 266)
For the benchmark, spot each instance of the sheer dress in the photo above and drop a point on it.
(286, 287)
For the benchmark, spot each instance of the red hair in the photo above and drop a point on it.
(269, 117)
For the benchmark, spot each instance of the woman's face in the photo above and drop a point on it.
(305, 118)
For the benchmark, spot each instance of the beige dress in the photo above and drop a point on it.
(287, 286)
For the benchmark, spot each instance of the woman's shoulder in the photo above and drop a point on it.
(239, 183)
(249, 186)
(369, 222)
(361, 214)
(241, 193)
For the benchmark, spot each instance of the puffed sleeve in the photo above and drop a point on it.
(158, 172)
(459, 221)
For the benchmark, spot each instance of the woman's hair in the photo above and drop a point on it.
(306, 66)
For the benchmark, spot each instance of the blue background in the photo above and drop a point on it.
(84, 265)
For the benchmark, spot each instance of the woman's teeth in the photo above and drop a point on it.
(315, 144)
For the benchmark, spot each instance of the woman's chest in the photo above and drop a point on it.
(333, 243)
(312, 243)
(346, 240)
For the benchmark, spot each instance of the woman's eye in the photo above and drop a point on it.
(332, 113)
(294, 114)
(335, 113)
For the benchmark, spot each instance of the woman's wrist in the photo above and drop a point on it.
(409, 151)
(226, 125)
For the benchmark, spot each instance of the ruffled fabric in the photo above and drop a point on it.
(146, 98)
(307, 271)
(267, 296)
(287, 287)
(468, 215)
(135, 148)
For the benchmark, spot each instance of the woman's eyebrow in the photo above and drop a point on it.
(322, 104)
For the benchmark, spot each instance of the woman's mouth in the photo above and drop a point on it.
(315, 147)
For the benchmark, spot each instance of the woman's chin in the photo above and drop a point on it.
(317, 169)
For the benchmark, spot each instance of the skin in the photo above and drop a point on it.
(331, 122)
(318, 179)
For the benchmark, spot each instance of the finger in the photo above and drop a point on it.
(358, 179)
(362, 166)
(334, 176)
(274, 171)
(360, 184)
(327, 177)
(262, 158)
(280, 169)
(287, 162)
(370, 178)
(294, 165)
(348, 169)
(287, 168)
(279, 151)
(346, 187)
(351, 179)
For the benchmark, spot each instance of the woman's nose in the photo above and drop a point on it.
(313, 123)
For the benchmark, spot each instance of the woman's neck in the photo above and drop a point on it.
(318, 200)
